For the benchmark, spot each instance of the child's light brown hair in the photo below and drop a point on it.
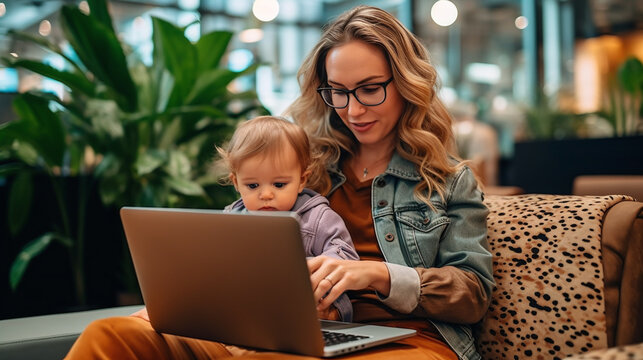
(266, 136)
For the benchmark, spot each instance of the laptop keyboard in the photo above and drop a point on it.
(334, 338)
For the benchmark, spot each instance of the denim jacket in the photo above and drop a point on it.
(411, 234)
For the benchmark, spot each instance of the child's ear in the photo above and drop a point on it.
(303, 180)
(233, 178)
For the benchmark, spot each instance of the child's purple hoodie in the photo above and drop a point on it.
(323, 232)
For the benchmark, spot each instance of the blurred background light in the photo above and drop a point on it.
(499, 103)
(521, 22)
(3, 9)
(444, 12)
(8, 80)
(483, 73)
(44, 28)
(190, 5)
(265, 10)
(193, 31)
(240, 59)
(48, 85)
(83, 6)
(251, 35)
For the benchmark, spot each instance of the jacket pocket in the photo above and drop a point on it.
(421, 230)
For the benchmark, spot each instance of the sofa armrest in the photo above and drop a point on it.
(554, 290)
(622, 248)
(49, 336)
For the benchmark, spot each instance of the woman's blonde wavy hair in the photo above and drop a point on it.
(424, 129)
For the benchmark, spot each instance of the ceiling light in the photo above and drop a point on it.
(521, 22)
(45, 28)
(3, 9)
(444, 12)
(265, 10)
(251, 35)
(189, 5)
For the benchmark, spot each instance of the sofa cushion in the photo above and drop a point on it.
(628, 352)
(549, 300)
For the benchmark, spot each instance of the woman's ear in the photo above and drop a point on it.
(233, 179)
(303, 180)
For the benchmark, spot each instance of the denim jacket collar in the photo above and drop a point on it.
(402, 168)
(398, 166)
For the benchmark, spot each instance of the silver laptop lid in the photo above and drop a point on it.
(190, 262)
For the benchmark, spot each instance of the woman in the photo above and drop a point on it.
(381, 140)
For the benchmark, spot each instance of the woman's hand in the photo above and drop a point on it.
(331, 277)
(142, 314)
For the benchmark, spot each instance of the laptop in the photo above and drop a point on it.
(236, 278)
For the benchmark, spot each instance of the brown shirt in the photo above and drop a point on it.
(447, 293)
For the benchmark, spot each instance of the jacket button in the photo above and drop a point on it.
(389, 237)
(380, 183)
(382, 203)
(425, 221)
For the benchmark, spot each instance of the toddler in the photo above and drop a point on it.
(267, 160)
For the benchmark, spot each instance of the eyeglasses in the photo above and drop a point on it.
(368, 94)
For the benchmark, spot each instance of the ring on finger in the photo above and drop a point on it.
(329, 280)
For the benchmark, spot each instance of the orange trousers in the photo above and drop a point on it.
(134, 338)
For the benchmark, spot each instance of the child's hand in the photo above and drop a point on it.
(142, 314)
(330, 313)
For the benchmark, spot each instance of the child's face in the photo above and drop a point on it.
(270, 184)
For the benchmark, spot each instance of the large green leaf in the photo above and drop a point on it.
(20, 196)
(25, 152)
(45, 43)
(210, 48)
(39, 127)
(171, 133)
(30, 251)
(100, 51)
(630, 74)
(185, 186)
(179, 56)
(178, 164)
(98, 10)
(203, 110)
(212, 84)
(73, 107)
(76, 81)
(149, 161)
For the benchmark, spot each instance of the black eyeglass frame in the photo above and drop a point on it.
(383, 84)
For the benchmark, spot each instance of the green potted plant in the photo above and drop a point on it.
(141, 135)
(626, 98)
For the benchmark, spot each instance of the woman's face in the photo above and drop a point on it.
(357, 63)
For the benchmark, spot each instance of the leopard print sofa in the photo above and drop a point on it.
(628, 352)
(548, 302)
